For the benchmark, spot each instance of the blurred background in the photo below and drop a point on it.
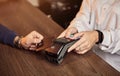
(61, 11)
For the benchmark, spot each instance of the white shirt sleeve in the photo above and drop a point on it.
(81, 21)
(111, 41)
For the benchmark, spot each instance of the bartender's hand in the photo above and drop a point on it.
(68, 32)
(86, 42)
(31, 41)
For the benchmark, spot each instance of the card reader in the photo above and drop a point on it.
(56, 52)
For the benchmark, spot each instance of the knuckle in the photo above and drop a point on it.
(77, 49)
(88, 46)
(33, 31)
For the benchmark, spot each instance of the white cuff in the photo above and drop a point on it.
(106, 39)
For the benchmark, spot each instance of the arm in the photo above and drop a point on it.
(7, 36)
(111, 37)
(82, 19)
(81, 22)
(82, 28)
(29, 42)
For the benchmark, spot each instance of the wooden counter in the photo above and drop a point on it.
(23, 18)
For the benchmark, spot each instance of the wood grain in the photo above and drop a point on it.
(21, 17)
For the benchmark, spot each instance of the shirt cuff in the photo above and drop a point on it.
(107, 38)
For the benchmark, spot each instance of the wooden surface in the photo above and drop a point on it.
(21, 17)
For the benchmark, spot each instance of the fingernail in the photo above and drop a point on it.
(68, 50)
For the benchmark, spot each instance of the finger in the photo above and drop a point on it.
(36, 41)
(84, 46)
(33, 46)
(74, 46)
(71, 31)
(37, 35)
(77, 44)
(26, 46)
(40, 37)
(68, 34)
(80, 48)
(33, 49)
(62, 34)
(77, 35)
(82, 52)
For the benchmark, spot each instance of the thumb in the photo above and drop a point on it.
(62, 34)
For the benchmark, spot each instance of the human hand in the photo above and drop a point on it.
(86, 42)
(68, 32)
(31, 41)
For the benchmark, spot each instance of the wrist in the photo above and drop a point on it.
(17, 42)
(96, 36)
(99, 36)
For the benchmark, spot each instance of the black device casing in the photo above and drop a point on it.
(62, 44)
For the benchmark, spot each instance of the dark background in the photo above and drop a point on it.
(61, 11)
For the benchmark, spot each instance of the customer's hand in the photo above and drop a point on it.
(31, 41)
(86, 42)
(68, 32)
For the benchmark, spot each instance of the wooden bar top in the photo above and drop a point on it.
(21, 17)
